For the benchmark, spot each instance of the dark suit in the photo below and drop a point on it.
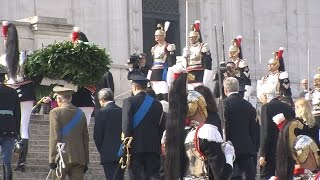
(269, 134)
(303, 93)
(145, 147)
(82, 98)
(107, 132)
(106, 81)
(240, 125)
(145, 69)
(216, 89)
(214, 119)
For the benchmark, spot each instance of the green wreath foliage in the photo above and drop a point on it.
(81, 64)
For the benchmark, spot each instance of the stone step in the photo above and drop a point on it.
(45, 168)
(46, 122)
(93, 156)
(46, 118)
(43, 176)
(36, 137)
(37, 160)
(45, 162)
(46, 143)
(45, 131)
(46, 127)
(45, 148)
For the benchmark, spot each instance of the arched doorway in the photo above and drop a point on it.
(159, 11)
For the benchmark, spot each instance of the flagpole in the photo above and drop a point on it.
(260, 58)
(308, 52)
(221, 108)
(187, 17)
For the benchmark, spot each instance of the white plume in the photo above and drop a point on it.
(5, 23)
(166, 26)
(76, 29)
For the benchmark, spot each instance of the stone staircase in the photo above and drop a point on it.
(37, 159)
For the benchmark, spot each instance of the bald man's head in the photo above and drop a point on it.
(304, 84)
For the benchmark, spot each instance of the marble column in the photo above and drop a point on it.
(135, 26)
(117, 29)
(232, 19)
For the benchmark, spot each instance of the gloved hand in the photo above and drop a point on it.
(185, 52)
(53, 165)
(229, 152)
(85, 168)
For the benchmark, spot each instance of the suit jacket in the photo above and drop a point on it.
(240, 125)
(107, 132)
(9, 124)
(146, 136)
(268, 130)
(214, 119)
(106, 81)
(216, 89)
(303, 93)
(76, 141)
(82, 98)
(145, 69)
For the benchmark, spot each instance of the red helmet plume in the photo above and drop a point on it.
(75, 34)
(5, 28)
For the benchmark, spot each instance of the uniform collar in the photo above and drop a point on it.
(141, 93)
(161, 45)
(195, 44)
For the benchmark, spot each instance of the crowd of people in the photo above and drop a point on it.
(171, 127)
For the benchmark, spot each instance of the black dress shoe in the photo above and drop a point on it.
(21, 167)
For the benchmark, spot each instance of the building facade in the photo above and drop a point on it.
(124, 27)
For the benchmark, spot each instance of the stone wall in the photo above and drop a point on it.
(37, 32)
(117, 26)
(288, 23)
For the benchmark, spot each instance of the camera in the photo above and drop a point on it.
(134, 69)
(133, 61)
(222, 69)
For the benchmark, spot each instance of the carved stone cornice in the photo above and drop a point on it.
(48, 25)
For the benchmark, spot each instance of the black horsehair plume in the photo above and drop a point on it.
(12, 50)
(175, 156)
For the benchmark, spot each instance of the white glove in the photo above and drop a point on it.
(229, 152)
(186, 52)
(308, 96)
(248, 90)
(273, 178)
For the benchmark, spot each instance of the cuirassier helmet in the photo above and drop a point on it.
(305, 149)
(78, 36)
(195, 30)
(317, 76)
(277, 60)
(161, 31)
(196, 102)
(236, 46)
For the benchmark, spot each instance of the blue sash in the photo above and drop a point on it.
(142, 111)
(74, 121)
(137, 118)
(165, 70)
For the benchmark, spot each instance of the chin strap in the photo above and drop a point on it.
(59, 159)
